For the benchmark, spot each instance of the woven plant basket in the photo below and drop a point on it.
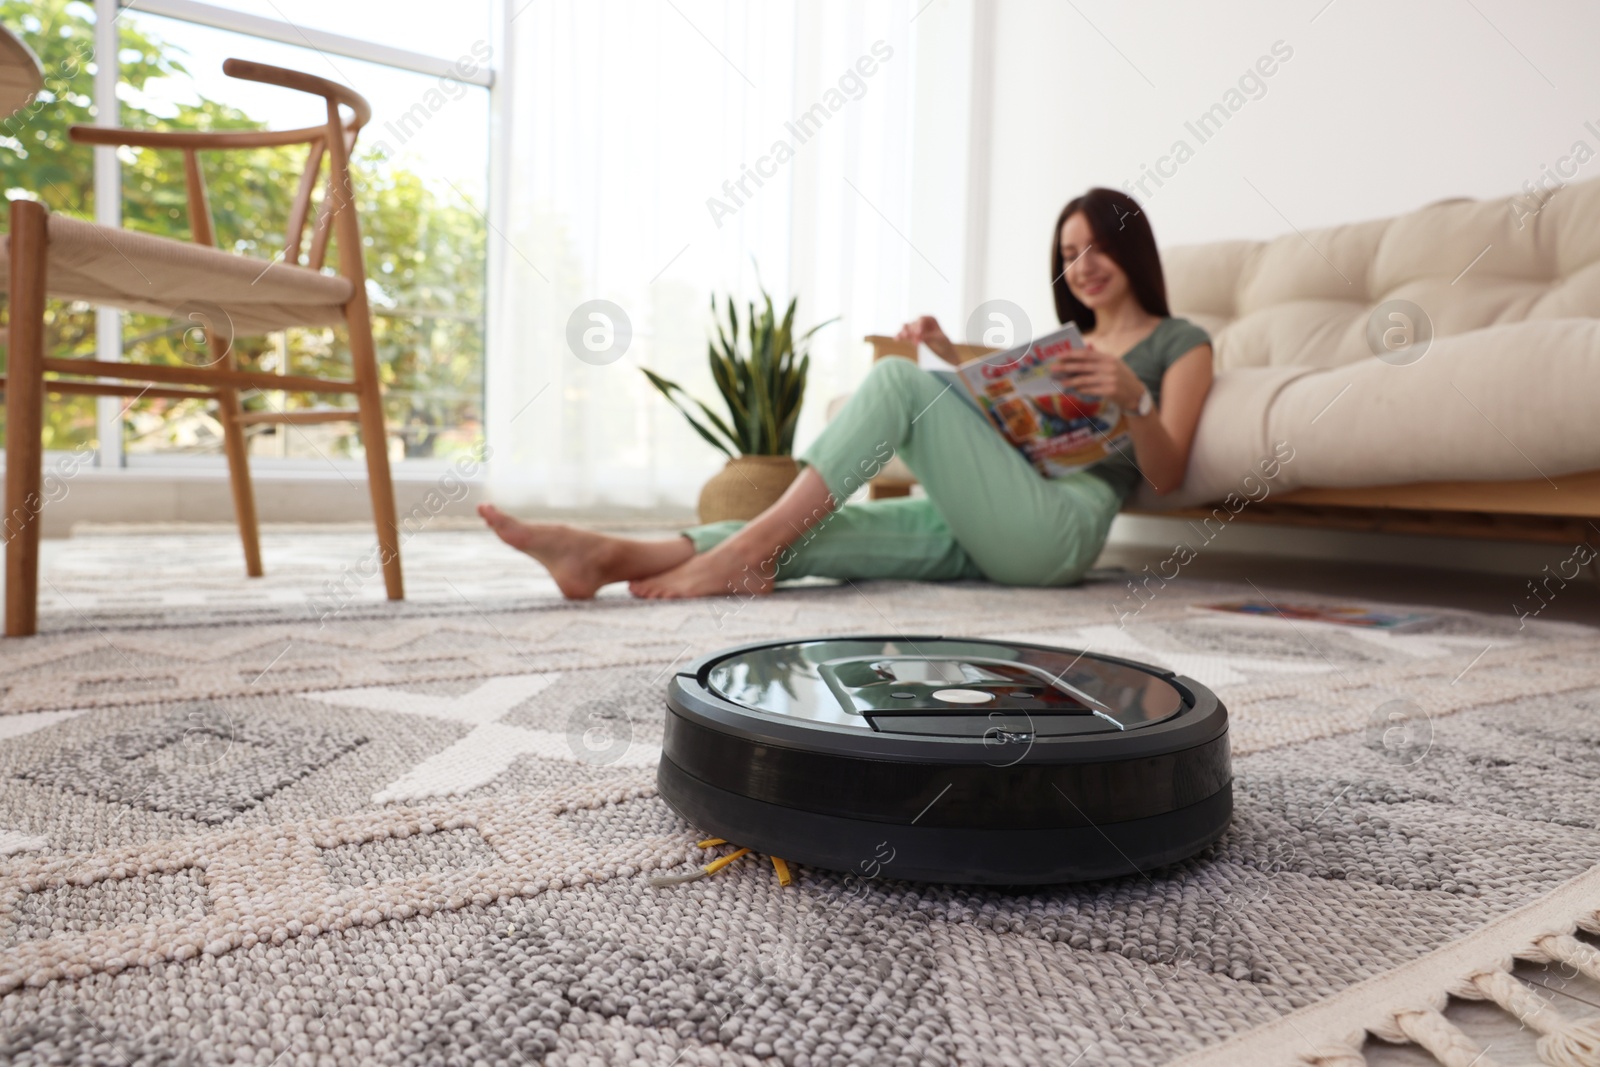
(746, 486)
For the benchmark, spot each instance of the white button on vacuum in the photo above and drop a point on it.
(963, 696)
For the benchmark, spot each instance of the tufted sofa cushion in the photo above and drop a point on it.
(1506, 390)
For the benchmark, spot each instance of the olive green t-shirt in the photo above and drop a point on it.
(1149, 359)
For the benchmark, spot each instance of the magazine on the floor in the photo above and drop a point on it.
(1342, 614)
(1023, 392)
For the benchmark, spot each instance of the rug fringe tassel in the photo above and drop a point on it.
(1563, 1041)
(1564, 948)
(1566, 1042)
(1442, 1038)
(1405, 1005)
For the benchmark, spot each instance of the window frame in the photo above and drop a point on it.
(109, 454)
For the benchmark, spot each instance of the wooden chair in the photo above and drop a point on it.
(59, 257)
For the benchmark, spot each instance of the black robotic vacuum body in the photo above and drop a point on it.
(947, 759)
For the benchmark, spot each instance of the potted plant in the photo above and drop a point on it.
(762, 378)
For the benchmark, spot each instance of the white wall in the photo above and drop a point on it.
(1383, 106)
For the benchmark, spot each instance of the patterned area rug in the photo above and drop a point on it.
(239, 823)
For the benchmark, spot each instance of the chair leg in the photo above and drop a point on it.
(25, 415)
(244, 494)
(375, 442)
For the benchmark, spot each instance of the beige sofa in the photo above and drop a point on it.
(1490, 429)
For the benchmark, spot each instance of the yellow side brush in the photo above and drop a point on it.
(693, 876)
(785, 877)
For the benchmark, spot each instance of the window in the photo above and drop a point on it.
(421, 172)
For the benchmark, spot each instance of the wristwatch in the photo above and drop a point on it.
(1147, 404)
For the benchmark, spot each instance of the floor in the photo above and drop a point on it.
(1579, 601)
(1505, 1041)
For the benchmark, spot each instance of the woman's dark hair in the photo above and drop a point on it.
(1123, 233)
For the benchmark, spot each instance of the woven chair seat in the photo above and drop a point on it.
(162, 276)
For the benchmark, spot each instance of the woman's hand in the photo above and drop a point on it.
(1094, 373)
(926, 331)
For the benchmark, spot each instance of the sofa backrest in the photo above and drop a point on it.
(1308, 300)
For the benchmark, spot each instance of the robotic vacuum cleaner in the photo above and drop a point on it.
(947, 759)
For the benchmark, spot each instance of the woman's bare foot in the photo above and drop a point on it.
(721, 571)
(581, 561)
(743, 565)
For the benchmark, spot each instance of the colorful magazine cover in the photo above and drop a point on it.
(1343, 614)
(1023, 392)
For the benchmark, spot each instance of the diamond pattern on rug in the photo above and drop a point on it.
(390, 859)
(111, 903)
(593, 734)
(127, 684)
(632, 693)
(200, 762)
(645, 817)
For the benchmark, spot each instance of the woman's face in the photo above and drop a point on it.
(1094, 278)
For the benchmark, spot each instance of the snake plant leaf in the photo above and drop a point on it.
(725, 373)
(760, 368)
(794, 389)
(716, 420)
(756, 419)
(770, 365)
(783, 338)
(807, 335)
(668, 388)
(718, 423)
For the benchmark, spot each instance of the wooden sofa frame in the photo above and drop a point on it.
(1561, 510)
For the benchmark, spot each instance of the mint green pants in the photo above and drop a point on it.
(987, 513)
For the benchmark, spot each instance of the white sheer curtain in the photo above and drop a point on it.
(638, 163)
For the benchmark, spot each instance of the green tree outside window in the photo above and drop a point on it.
(424, 252)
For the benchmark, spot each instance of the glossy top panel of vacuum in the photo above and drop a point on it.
(944, 688)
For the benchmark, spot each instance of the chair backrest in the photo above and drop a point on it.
(21, 76)
(333, 142)
(1309, 300)
(338, 128)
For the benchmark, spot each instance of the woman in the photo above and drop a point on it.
(987, 513)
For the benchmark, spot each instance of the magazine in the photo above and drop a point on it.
(1023, 392)
(1343, 614)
